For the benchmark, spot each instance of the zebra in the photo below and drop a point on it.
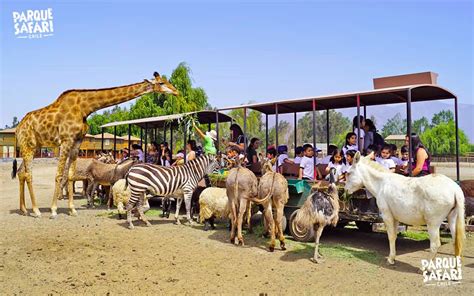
(160, 180)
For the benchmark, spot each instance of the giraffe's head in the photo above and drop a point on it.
(161, 85)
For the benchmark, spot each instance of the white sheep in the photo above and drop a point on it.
(121, 196)
(213, 202)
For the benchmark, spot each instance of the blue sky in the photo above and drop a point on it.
(238, 51)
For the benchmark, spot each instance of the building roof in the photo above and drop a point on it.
(8, 131)
(161, 121)
(382, 96)
(132, 138)
(395, 138)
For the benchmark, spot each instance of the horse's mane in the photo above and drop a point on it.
(375, 165)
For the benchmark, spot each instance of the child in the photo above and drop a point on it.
(179, 158)
(283, 156)
(351, 143)
(372, 151)
(405, 155)
(394, 155)
(299, 154)
(338, 162)
(327, 158)
(138, 152)
(385, 159)
(307, 164)
(271, 155)
(233, 156)
(349, 159)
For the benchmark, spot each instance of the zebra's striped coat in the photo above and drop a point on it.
(160, 180)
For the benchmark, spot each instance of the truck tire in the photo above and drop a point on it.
(298, 233)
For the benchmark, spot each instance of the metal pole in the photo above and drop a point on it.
(314, 139)
(146, 138)
(327, 131)
(129, 137)
(141, 137)
(410, 145)
(358, 123)
(276, 133)
(164, 132)
(245, 129)
(115, 141)
(102, 144)
(295, 124)
(365, 112)
(184, 143)
(217, 131)
(208, 126)
(266, 131)
(171, 139)
(457, 137)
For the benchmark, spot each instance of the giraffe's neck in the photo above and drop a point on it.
(93, 100)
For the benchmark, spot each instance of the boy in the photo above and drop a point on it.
(299, 154)
(307, 164)
(233, 156)
(385, 159)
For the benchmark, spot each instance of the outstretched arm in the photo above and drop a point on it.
(200, 133)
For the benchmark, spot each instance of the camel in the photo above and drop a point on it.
(63, 124)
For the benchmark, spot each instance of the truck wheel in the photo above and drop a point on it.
(364, 226)
(298, 232)
(342, 223)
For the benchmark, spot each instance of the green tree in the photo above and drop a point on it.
(441, 139)
(394, 126)
(420, 125)
(338, 125)
(443, 116)
(149, 105)
(255, 125)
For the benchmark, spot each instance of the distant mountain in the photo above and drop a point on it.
(426, 109)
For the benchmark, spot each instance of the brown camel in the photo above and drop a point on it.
(63, 124)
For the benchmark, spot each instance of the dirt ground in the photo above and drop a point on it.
(94, 254)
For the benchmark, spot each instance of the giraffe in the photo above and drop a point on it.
(63, 123)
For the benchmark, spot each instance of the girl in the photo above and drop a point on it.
(359, 119)
(165, 154)
(192, 148)
(351, 143)
(385, 158)
(338, 162)
(349, 159)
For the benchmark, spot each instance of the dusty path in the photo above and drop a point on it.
(94, 254)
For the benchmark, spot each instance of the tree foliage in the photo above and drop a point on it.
(395, 126)
(339, 126)
(190, 99)
(443, 116)
(420, 125)
(441, 139)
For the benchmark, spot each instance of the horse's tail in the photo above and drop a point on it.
(460, 227)
(14, 169)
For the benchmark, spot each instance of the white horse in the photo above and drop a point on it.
(424, 200)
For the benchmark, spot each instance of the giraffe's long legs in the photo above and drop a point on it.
(63, 156)
(26, 174)
(71, 166)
